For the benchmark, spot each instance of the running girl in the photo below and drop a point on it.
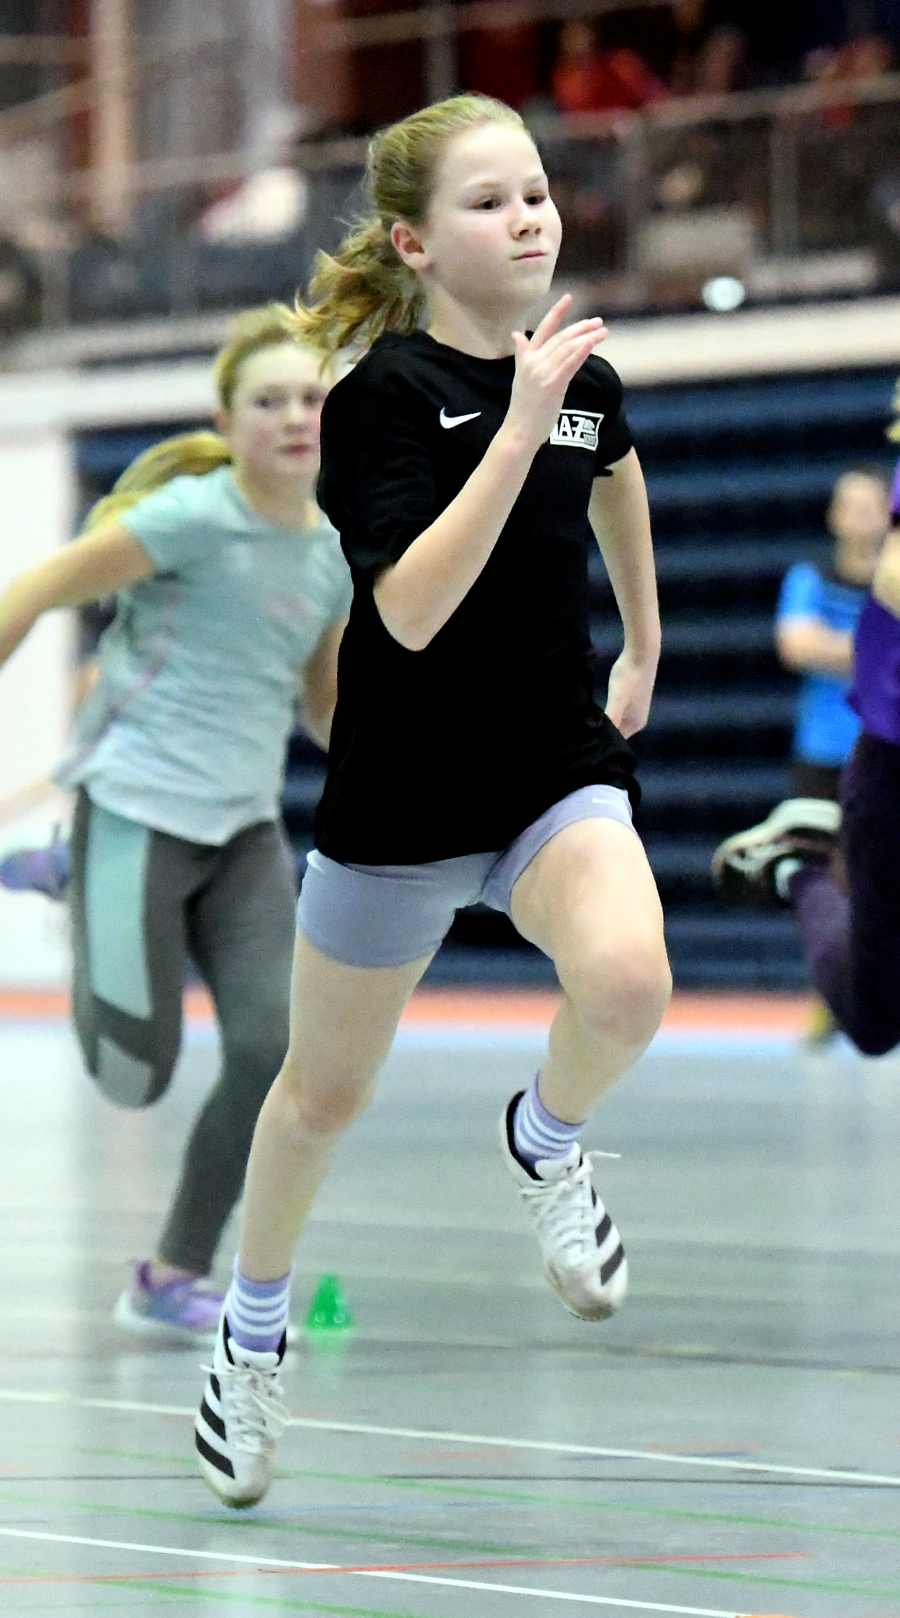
(232, 592)
(464, 464)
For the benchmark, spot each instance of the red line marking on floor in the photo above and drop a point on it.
(488, 1008)
(405, 1567)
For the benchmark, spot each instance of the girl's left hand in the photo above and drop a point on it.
(628, 698)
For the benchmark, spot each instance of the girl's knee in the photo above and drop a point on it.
(623, 996)
(325, 1105)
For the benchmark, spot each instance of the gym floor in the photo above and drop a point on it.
(729, 1444)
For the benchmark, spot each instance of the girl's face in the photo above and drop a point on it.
(272, 426)
(491, 239)
(859, 517)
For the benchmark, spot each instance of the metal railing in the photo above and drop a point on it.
(790, 192)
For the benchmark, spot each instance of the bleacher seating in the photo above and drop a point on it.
(739, 475)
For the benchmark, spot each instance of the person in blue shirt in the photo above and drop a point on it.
(815, 626)
(835, 864)
(818, 611)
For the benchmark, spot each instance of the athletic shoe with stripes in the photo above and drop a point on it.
(745, 866)
(584, 1259)
(241, 1416)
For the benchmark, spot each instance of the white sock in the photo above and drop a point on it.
(257, 1312)
(537, 1134)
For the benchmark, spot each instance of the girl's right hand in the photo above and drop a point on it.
(545, 365)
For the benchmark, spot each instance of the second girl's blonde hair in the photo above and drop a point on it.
(364, 288)
(198, 453)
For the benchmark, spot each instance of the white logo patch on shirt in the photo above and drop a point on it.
(578, 428)
(457, 421)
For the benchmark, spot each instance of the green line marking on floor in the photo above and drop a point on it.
(28, 1573)
(169, 1592)
(699, 1573)
(531, 1497)
(285, 1604)
(528, 1497)
(213, 1519)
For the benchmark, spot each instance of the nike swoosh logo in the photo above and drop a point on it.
(456, 421)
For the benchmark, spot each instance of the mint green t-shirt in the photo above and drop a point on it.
(202, 668)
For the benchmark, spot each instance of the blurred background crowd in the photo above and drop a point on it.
(162, 157)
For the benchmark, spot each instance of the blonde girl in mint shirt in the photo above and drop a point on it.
(231, 597)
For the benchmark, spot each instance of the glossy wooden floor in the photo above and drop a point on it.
(730, 1444)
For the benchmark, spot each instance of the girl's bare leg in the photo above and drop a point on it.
(343, 1021)
(589, 901)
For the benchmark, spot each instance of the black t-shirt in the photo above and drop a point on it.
(457, 748)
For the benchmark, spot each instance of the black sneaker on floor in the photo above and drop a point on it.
(241, 1416)
(744, 867)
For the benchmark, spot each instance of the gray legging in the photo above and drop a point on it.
(141, 901)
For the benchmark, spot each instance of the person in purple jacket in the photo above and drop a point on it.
(836, 865)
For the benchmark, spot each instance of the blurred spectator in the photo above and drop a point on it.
(590, 78)
(264, 207)
(709, 57)
(816, 621)
(863, 58)
(818, 612)
(502, 62)
(20, 289)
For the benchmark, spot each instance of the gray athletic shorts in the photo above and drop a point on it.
(387, 915)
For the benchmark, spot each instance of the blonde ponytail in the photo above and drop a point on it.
(194, 454)
(364, 288)
(359, 292)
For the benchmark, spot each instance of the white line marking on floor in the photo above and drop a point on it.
(166, 1550)
(12, 1396)
(556, 1595)
(481, 1440)
(659, 1457)
(363, 1573)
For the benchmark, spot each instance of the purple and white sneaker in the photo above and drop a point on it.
(182, 1311)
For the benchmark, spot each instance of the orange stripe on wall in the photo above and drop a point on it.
(491, 1008)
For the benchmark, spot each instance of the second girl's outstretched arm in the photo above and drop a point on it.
(87, 570)
(417, 594)
(620, 518)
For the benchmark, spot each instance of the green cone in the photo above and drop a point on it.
(329, 1310)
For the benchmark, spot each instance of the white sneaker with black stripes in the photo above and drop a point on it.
(584, 1259)
(241, 1416)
